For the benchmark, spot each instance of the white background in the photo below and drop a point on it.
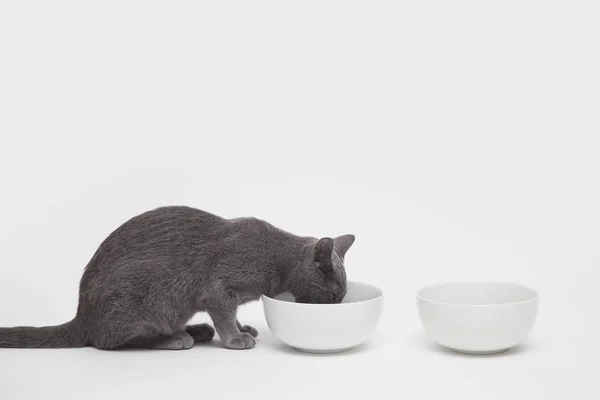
(456, 139)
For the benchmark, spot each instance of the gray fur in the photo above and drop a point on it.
(154, 272)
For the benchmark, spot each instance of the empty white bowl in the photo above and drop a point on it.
(477, 317)
(326, 328)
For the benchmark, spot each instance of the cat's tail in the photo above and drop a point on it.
(68, 334)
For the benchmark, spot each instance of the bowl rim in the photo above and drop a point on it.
(380, 296)
(535, 297)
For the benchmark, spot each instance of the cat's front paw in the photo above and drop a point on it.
(241, 341)
(249, 329)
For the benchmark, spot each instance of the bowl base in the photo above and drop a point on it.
(312, 351)
(479, 353)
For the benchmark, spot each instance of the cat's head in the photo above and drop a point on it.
(321, 277)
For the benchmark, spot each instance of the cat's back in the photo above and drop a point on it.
(165, 222)
(162, 232)
(254, 232)
(182, 216)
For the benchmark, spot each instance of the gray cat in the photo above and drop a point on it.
(154, 272)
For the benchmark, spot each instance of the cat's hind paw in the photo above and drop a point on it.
(201, 332)
(179, 341)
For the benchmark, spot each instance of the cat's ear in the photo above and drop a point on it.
(323, 252)
(342, 243)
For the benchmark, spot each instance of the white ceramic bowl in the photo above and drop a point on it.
(326, 328)
(477, 317)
